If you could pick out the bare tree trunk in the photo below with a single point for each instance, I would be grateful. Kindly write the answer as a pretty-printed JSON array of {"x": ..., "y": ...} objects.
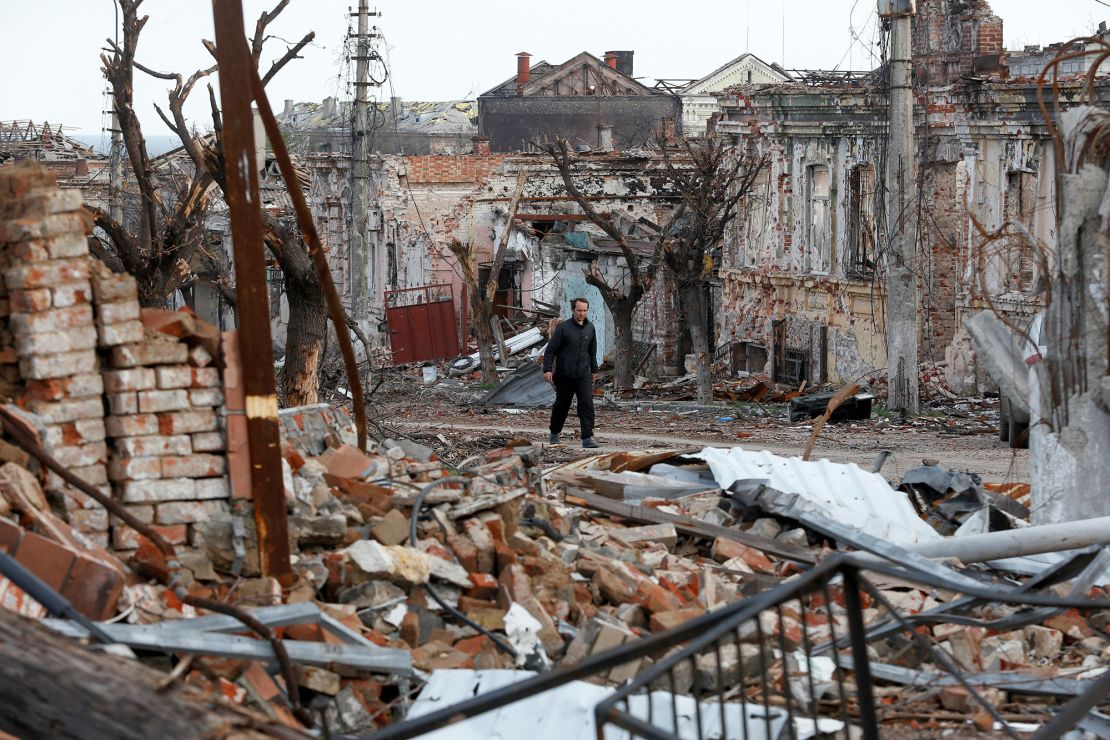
[
  {"x": 693, "y": 308},
  {"x": 623, "y": 347},
  {"x": 479, "y": 318},
  {"x": 308, "y": 320}
]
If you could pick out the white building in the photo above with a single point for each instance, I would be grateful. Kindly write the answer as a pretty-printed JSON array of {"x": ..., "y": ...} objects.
[{"x": 699, "y": 98}]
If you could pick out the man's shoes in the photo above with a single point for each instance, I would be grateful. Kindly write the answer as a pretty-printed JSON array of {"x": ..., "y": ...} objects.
[
  {"x": 553, "y": 439},
  {"x": 589, "y": 443}
]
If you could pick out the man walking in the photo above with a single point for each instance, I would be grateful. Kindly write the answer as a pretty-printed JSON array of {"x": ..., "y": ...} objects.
[{"x": 570, "y": 364}]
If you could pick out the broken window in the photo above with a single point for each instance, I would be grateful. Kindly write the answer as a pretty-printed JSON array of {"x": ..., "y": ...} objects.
[
  {"x": 817, "y": 222},
  {"x": 753, "y": 232},
  {"x": 391, "y": 264},
  {"x": 1020, "y": 255},
  {"x": 861, "y": 222}
]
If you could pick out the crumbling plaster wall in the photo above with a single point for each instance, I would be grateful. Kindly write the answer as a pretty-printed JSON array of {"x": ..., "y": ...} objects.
[
  {"x": 427, "y": 202},
  {"x": 982, "y": 158}
]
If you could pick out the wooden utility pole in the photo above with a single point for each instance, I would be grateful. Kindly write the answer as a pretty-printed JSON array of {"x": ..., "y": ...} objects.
[
  {"x": 901, "y": 311},
  {"x": 255, "y": 344}
]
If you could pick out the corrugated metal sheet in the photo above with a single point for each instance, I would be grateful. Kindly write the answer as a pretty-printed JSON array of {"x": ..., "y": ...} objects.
[
  {"x": 841, "y": 492},
  {"x": 524, "y": 388},
  {"x": 567, "y": 712}
]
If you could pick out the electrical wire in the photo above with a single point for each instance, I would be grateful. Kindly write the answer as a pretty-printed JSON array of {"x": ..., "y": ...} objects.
[{"x": 416, "y": 508}]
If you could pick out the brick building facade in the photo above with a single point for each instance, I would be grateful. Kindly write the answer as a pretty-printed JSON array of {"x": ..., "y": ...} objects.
[{"x": 801, "y": 273}]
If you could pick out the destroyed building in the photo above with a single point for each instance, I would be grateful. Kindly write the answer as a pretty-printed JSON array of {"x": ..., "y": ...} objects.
[
  {"x": 701, "y": 97},
  {"x": 584, "y": 100},
  {"x": 801, "y": 293},
  {"x": 425, "y": 200},
  {"x": 396, "y": 126}
]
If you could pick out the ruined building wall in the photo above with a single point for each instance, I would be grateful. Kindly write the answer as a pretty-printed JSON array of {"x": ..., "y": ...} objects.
[
  {"x": 983, "y": 160},
  {"x": 130, "y": 402}
]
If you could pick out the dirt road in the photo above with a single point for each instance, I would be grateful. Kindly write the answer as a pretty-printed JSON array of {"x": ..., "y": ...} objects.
[{"x": 860, "y": 442}]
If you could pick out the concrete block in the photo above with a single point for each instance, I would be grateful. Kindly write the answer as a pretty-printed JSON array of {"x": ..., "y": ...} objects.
[
  {"x": 125, "y": 538},
  {"x": 52, "y": 320},
  {"x": 117, "y": 313},
  {"x": 174, "y": 376},
  {"x": 212, "y": 397},
  {"x": 56, "y": 389},
  {"x": 135, "y": 468},
  {"x": 79, "y": 432},
  {"x": 30, "y": 301},
  {"x": 154, "y": 401},
  {"x": 194, "y": 466},
  {"x": 188, "y": 512},
  {"x": 154, "y": 445},
  {"x": 71, "y": 294},
  {"x": 60, "y": 412},
  {"x": 150, "y": 353},
  {"x": 153, "y": 491},
  {"x": 44, "y": 227},
  {"x": 200, "y": 357},
  {"x": 89, "y": 520},
  {"x": 209, "y": 488},
  {"x": 49, "y": 343},
  {"x": 126, "y": 332},
  {"x": 112, "y": 288},
  {"x": 123, "y": 403},
  {"x": 132, "y": 425},
  {"x": 208, "y": 442},
  {"x": 63, "y": 364},
  {"x": 136, "y": 379}
]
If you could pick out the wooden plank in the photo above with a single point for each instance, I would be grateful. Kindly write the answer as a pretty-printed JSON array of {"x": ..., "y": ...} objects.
[{"x": 688, "y": 525}]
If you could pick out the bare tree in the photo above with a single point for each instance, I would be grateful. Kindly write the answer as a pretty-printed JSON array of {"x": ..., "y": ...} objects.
[
  {"x": 481, "y": 301},
  {"x": 713, "y": 177},
  {"x": 642, "y": 272},
  {"x": 165, "y": 242}
]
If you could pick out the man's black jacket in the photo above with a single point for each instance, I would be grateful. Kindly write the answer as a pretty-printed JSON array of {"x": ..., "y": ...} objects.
[{"x": 572, "y": 350}]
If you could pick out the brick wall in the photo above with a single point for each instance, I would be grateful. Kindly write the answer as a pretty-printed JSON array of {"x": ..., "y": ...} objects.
[
  {"x": 447, "y": 168},
  {"x": 128, "y": 399}
]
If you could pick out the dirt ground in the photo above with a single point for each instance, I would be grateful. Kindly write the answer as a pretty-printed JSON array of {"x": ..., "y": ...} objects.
[{"x": 959, "y": 436}]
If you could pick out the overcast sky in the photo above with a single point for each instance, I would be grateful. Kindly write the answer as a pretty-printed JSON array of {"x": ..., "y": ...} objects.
[{"x": 444, "y": 49}]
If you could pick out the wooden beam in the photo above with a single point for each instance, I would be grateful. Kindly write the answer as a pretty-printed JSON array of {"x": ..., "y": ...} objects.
[{"x": 687, "y": 525}]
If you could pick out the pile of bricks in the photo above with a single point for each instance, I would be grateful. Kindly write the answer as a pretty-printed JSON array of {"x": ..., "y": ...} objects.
[{"x": 164, "y": 426}]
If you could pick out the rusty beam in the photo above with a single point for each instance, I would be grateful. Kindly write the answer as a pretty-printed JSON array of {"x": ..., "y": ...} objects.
[{"x": 255, "y": 346}]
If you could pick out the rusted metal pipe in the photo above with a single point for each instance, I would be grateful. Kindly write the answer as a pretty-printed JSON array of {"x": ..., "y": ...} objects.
[
  {"x": 255, "y": 346},
  {"x": 316, "y": 250}
]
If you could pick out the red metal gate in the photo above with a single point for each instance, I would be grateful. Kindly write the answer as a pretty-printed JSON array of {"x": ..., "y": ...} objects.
[{"x": 422, "y": 323}]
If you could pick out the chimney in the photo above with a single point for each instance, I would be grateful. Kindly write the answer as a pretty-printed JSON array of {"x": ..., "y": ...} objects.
[
  {"x": 329, "y": 107},
  {"x": 481, "y": 146},
  {"x": 624, "y": 61},
  {"x": 288, "y": 109},
  {"x": 522, "y": 68},
  {"x": 611, "y": 59},
  {"x": 667, "y": 126},
  {"x": 604, "y": 138}
]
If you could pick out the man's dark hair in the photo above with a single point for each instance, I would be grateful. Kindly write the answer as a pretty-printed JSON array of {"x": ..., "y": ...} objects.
[{"x": 578, "y": 300}]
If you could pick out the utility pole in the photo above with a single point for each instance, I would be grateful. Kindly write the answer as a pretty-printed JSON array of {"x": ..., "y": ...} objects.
[
  {"x": 363, "y": 258},
  {"x": 901, "y": 308},
  {"x": 115, "y": 171}
]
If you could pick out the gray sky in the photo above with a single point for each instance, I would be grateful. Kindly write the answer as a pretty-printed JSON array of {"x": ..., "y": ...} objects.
[{"x": 444, "y": 49}]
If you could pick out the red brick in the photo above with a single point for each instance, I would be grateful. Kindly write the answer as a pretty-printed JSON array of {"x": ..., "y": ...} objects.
[
  {"x": 48, "y": 560},
  {"x": 93, "y": 588}
]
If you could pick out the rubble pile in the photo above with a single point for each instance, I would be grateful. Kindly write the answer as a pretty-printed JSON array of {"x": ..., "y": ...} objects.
[{"x": 510, "y": 568}]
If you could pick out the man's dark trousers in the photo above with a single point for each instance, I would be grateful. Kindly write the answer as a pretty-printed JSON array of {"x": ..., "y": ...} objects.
[{"x": 565, "y": 390}]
